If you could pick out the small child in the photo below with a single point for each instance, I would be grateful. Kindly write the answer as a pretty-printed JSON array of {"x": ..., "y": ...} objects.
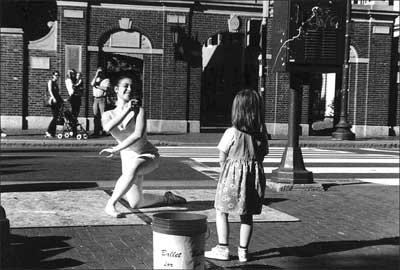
[{"x": 241, "y": 183}]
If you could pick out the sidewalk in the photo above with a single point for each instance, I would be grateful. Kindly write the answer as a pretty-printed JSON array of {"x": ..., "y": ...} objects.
[
  {"x": 346, "y": 227},
  {"x": 35, "y": 138},
  {"x": 349, "y": 226}
]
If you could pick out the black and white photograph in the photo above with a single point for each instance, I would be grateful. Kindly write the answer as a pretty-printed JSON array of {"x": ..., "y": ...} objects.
[{"x": 200, "y": 134}]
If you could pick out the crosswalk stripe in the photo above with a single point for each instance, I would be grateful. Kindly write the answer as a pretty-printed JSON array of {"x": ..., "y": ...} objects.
[
  {"x": 382, "y": 181},
  {"x": 341, "y": 170},
  {"x": 375, "y": 167},
  {"x": 381, "y": 150},
  {"x": 313, "y": 160}
]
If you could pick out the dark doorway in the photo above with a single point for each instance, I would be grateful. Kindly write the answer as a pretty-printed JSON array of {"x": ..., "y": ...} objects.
[
  {"x": 222, "y": 78},
  {"x": 117, "y": 64},
  {"x": 123, "y": 64},
  {"x": 322, "y": 101}
]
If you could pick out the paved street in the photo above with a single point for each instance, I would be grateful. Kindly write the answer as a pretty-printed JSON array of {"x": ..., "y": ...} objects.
[
  {"x": 354, "y": 224},
  {"x": 198, "y": 165}
]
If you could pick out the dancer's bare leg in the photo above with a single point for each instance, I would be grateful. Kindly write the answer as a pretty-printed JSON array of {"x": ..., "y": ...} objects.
[
  {"x": 130, "y": 184},
  {"x": 137, "y": 199},
  {"x": 127, "y": 179}
]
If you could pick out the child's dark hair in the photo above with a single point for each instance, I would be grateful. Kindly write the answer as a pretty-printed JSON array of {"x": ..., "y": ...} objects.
[{"x": 248, "y": 113}]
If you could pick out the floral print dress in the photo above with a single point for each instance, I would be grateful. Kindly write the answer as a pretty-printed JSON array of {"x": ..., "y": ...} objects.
[{"x": 241, "y": 184}]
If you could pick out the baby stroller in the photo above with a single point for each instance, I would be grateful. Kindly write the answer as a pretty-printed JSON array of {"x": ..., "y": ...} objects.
[{"x": 67, "y": 125}]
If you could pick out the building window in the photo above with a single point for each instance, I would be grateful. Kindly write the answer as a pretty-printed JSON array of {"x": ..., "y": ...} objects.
[
  {"x": 125, "y": 39},
  {"x": 73, "y": 57},
  {"x": 253, "y": 34}
]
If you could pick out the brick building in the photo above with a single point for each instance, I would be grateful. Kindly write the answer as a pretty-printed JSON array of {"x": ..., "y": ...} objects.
[{"x": 192, "y": 57}]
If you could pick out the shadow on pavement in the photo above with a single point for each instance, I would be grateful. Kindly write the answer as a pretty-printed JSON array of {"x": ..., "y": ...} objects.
[
  {"x": 34, "y": 252},
  {"x": 47, "y": 186},
  {"x": 5, "y": 172},
  {"x": 254, "y": 266},
  {"x": 320, "y": 248},
  {"x": 47, "y": 149},
  {"x": 211, "y": 266},
  {"x": 326, "y": 186},
  {"x": 269, "y": 201},
  {"x": 10, "y": 158}
]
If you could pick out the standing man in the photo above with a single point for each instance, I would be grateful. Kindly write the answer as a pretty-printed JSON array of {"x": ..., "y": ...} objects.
[{"x": 101, "y": 86}]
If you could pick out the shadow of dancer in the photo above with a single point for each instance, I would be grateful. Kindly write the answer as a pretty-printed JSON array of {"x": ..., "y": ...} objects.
[
  {"x": 34, "y": 252},
  {"x": 320, "y": 248}
]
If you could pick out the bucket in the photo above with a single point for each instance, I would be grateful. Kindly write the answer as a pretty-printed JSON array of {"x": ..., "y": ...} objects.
[{"x": 179, "y": 240}]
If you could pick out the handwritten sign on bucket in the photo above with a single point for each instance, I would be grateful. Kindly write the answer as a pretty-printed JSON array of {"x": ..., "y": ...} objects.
[{"x": 179, "y": 240}]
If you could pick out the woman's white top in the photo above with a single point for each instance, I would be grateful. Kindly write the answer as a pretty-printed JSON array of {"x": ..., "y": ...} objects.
[
  {"x": 125, "y": 129},
  {"x": 70, "y": 87}
]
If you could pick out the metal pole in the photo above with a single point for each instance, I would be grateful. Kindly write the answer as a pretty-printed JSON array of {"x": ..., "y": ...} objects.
[
  {"x": 263, "y": 37},
  {"x": 87, "y": 70},
  {"x": 291, "y": 169},
  {"x": 263, "y": 57},
  {"x": 343, "y": 131}
]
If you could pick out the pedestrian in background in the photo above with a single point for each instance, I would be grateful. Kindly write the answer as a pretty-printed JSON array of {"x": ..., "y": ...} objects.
[
  {"x": 76, "y": 98},
  {"x": 70, "y": 79},
  {"x": 70, "y": 85},
  {"x": 55, "y": 101},
  {"x": 127, "y": 124},
  {"x": 100, "y": 85},
  {"x": 241, "y": 183}
]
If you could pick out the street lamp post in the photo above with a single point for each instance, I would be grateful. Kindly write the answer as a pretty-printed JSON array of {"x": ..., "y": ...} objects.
[
  {"x": 291, "y": 169},
  {"x": 343, "y": 131}
]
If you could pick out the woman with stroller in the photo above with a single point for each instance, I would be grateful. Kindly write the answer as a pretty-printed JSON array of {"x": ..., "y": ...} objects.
[
  {"x": 74, "y": 83},
  {"x": 55, "y": 102}
]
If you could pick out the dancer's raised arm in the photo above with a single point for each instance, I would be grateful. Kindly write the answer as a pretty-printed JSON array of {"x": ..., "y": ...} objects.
[{"x": 111, "y": 119}]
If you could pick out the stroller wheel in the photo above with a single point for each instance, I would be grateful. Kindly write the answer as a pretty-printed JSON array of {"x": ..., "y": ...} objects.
[
  {"x": 85, "y": 136},
  {"x": 66, "y": 135},
  {"x": 59, "y": 136},
  {"x": 79, "y": 137}
]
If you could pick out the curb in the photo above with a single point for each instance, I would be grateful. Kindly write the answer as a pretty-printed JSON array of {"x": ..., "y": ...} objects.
[{"x": 12, "y": 143}]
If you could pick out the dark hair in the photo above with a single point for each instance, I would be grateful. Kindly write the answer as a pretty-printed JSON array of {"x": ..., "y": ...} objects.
[
  {"x": 71, "y": 73},
  {"x": 248, "y": 113},
  {"x": 137, "y": 90},
  {"x": 55, "y": 72}
]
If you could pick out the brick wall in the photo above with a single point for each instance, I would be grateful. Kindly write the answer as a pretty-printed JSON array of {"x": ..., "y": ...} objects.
[
  {"x": 11, "y": 71},
  {"x": 276, "y": 98},
  {"x": 172, "y": 88},
  {"x": 398, "y": 84},
  {"x": 371, "y": 87},
  {"x": 357, "y": 93},
  {"x": 37, "y": 83}
]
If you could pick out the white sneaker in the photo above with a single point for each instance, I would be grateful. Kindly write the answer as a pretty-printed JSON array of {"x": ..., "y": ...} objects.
[
  {"x": 218, "y": 252},
  {"x": 48, "y": 135},
  {"x": 243, "y": 254}
]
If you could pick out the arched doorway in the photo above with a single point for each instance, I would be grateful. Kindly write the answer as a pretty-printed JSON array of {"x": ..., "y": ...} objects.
[
  {"x": 122, "y": 54},
  {"x": 226, "y": 68}
]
